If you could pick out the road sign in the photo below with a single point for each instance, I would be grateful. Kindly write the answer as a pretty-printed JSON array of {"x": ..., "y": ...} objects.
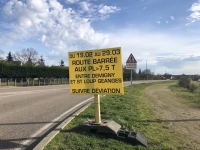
[
  {"x": 131, "y": 62},
  {"x": 131, "y": 59},
  {"x": 96, "y": 71}
]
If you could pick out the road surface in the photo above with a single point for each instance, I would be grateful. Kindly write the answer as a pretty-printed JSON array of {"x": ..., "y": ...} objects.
[{"x": 28, "y": 114}]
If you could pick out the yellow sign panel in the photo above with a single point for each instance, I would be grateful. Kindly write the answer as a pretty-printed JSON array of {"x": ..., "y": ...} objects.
[{"x": 96, "y": 71}]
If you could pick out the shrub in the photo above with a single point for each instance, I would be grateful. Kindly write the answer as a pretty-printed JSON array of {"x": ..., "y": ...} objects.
[
  {"x": 184, "y": 81},
  {"x": 192, "y": 87}
]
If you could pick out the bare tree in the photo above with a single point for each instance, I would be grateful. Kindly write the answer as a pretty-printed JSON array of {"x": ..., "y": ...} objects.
[
  {"x": 41, "y": 61},
  {"x": 28, "y": 55},
  {"x": 1, "y": 53}
]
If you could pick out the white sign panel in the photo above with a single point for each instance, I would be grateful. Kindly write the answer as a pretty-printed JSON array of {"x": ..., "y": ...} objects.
[{"x": 131, "y": 66}]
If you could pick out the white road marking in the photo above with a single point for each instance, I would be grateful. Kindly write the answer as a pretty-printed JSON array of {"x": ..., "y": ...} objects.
[
  {"x": 25, "y": 142},
  {"x": 7, "y": 94}
]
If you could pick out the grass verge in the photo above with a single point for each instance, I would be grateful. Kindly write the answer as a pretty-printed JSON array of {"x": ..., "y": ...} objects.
[
  {"x": 192, "y": 98},
  {"x": 132, "y": 111}
]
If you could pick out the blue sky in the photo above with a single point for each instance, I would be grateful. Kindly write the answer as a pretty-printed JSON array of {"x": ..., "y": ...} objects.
[{"x": 162, "y": 33}]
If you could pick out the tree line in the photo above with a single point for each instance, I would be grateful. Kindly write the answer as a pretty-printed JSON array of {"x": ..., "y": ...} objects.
[
  {"x": 28, "y": 56},
  {"x": 34, "y": 66},
  {"x": 141, "y": 75},
  {"x": 26, "y": 71},
  {"x": 31, "y": 66}
]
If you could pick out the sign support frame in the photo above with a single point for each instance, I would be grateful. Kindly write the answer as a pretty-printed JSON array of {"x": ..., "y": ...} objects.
[
  {"x": 97, "y": 108},
  {"x": 131, "y": 76}
]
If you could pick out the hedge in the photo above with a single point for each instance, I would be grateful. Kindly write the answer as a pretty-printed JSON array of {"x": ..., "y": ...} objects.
[{"x": 16, "y": 71}]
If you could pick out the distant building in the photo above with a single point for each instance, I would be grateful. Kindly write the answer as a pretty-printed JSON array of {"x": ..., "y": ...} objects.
[
  {"x": 173, "y": 78},
  {"x": 12, "y": 62}
]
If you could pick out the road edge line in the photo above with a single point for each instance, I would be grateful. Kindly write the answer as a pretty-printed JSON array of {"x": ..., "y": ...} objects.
[{"x": 52, "y": 134}]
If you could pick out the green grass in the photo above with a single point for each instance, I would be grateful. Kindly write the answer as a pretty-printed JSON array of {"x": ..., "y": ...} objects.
[
  {"x": 191, "y": 97},
  {"x": 132, "y": 111}
]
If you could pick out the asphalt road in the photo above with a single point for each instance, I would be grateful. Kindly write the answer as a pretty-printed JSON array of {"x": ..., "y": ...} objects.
[{"x": 28, "y": 114}]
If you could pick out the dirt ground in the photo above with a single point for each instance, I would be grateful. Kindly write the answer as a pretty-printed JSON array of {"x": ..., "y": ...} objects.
[{"x": 178, "y": 113}]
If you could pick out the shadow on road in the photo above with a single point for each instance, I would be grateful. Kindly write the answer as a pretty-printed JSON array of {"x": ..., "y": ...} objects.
[
  {"x": 10, "y": 144},
  {"x": 15, "y": 143}
]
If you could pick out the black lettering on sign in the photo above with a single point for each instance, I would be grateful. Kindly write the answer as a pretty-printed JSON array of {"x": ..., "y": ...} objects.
[
  {"x": 72, "y": 81},
  {"x": 111, "y": 52},
  {"x": 80, "y": 69},
  {"x": 71, "y": 55},
  {"x": 79, "y": 81},
  {"x": 105, "y": 60},
  {"x": 103, "y": 75},
  {"x": 89, "y": 80},
  {"x": 115, "y": 51},
  {"x": 113, "y": 80},
  {"x": 88, "y": 54},
  {"x": 82, "y": 75},
  {"x": 85, "y": 54},
  {"x": 106, "y": 52},
  {"x": 80, "y": 90},
  {"x": 106, "y": 90},
  {"x": 106, "y": 67},
  {"x": 80, "y": 54},
  {"x": 97, "y": 53},
  {"x": 113, "y": 67},
  {"x": 91, "y": 68},
  {"x": 81, "y": 62}
]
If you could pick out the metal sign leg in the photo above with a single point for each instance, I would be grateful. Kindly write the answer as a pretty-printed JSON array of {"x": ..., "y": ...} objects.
[{"x": 97, "y": 108}]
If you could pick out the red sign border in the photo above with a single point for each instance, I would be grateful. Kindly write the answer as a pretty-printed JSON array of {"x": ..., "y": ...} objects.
[{"x": 131, "y": 55}]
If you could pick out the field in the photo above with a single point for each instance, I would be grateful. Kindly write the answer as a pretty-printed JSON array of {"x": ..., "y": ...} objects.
[{"x": 166, "y": 114}]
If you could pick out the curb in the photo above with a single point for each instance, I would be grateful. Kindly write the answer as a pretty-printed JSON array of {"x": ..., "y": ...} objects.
[{"x": 52, "y": 134}]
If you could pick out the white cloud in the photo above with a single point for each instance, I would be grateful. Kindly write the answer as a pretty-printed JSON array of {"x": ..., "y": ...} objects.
[
  {"x": 49, "y": 22},
  {"x": 26, "y": 14},
  {"x": 195, "y": 7},
  {"x": 86, "y": 6},
  {"x": 43, "y": 38},
  {"x": 150, "y": 45},
  {"x": 95, "y": 12},
  {"x": 195, "y": 15},
  {"x": 172, "y": 17},
  {"x": 180, "y": 61},
  {"x": 190, "y": 22},
  {"x": 108, "y": 9},
  {"x": 178, "y": 64},
  {"x": 64, "y": 29},
  {"x": 71, "y": 1},
  {"x": 37, "y": 5},
  {"x": 167, "y": 22}
]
